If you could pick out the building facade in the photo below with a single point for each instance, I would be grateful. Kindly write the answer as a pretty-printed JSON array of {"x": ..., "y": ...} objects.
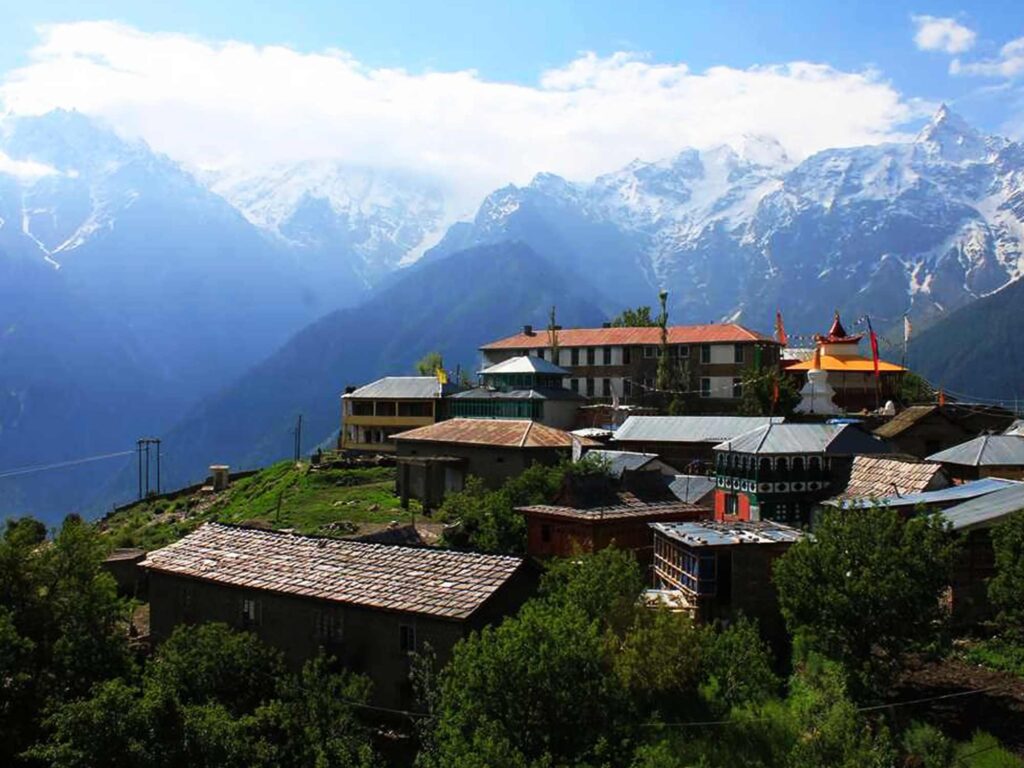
[
  {"x": 782, "y": 472},
  {"x": 368, "y": 605},
  {"x": 372, "y": 414},
  {"x": 722, "y": 570},
  {"x": 621, "y": 363}
]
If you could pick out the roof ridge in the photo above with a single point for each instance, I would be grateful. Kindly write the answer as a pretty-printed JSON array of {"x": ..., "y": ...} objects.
[{"x": 526, "y": 434}]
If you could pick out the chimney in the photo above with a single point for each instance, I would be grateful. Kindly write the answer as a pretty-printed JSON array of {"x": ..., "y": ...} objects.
[
  {"x": 350, "y": 389},
  {"x": 221, "y": 476},
  {"x": 528, "y": 330}
]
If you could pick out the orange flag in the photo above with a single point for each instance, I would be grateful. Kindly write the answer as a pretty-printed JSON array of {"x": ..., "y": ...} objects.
[{"x": 780, "y": 330}]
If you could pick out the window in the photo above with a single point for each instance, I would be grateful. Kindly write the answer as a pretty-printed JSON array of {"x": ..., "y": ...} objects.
[
  {"x": 362, "y": 408},
  {"x": 591, "y": 354},
  {"x": 607, "y": 353},
  {"x": 574, "y": 356},
  {"x": 705, "y": 387},
  {"x": 627, "y": 387},
  {"x": 250, "y": 612},
  {"x": 540, "y": 353},
  {"x": 650, "y": 351},
  {"x": 574, "y": 385},
  {"x": 407, "y": 638},
  {"x": 606, "y": 387},
  {"x": 590, "y": 387},
  {"x": 415, "y": 409},
  {"x": 682, "y": 350},
  {"x": 626, "y": 355},
  {"x": 738, "y": 353},
  {"x": 737, "y": 388},
  {"x": 386, "y": 408},
  {"x": 705, "y": 353},
  {"x": 328, "y": 626},
  {"x": 731, "y": 504},
  {"x": 545, "y": 533}
]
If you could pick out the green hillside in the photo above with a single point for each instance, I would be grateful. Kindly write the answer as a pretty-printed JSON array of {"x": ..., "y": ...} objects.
[
  {"x": 977, "y": 351},
  {"x": 282, "y": 496}
]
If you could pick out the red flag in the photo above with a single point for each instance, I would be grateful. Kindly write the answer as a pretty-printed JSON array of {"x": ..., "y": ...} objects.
[
  {"x": 780, "y": 330},
  {"x": 874, "y": 347},
  {"x": 775, "y": 392},
  {"x": 942, "y": 398}
]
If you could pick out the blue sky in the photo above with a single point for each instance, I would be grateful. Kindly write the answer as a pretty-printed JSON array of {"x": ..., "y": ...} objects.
[{"x": 868, "y": 48}]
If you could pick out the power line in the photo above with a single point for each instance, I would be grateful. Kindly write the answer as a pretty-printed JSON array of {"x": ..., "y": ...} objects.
[{"x": 61, "y": 464}]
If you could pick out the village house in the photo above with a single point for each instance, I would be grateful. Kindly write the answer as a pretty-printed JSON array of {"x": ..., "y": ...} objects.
[
  {"x": 525, "y": 387},
  {"x": 849, "y": 373},
  {"x": 371, "y": 415},
  {"x": 436, "y": 459},
  {"x": 368, "y": 605},
  {"x": 685, "y": 442},
  {"x": 876, "y": 477},
  {"x": 781, "y": 472},
  {"x": 984, "y": 456},
  {"x": 973, "y": 521},
  {"x": 721, "y": 570},
  {"x": 921, "y": 430},
  {"x": 909, "y": 504},
  {"x": 621, "y": 363}
]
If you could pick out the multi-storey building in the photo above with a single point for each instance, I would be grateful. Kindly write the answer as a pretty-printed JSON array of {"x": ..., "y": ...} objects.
[
  {"x": 370, "y": 415},
  {"x": 607, "y": 363}
]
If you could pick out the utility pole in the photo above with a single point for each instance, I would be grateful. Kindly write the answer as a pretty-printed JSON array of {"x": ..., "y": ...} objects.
[
  {"x": 157, "y": 441},
  {"x": 142, "y": 448},
  {"x": 138, "y": 456},
  {"x": 298, "y": 438}
]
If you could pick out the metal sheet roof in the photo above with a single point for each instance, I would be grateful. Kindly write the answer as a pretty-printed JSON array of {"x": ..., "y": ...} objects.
[
  {"x": 596, "y": 337},
  {"x": 692, "y": 488},
  {"x": 689, "y": 429},
  {"x": 1017, "y": 428},
  {"x": 986, "y": 510},
  {"x": 540, "y": 393},
  {"x": 831, "y": 439},
  {"x": 401, "y": 387},
  {"x": 620, "y": 461},
  {"x": 526, "y": 364},
  {"x": 420, "y": 580},
  {"x": 964, "y": 491},
  {"x": 985, "y": 451},
  {"x": 708, "y": 533}
]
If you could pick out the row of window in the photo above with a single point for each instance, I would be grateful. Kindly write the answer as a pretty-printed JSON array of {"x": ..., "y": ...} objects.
[
  {"x": 603, "y": 355},
  {"x": 744, "y": 465},
  {"x": 390, "y": 408},
  {"x": 589, "y": 387}
]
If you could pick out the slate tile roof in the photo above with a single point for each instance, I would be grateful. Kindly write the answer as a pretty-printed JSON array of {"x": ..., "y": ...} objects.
[
  {"x": 873, "y": 477},
  {"x": 677, "y": 510},
  {"x": 506, "y": 433},
  {"x": 905, "y": 419},
  {"x": 420, "y": 580},
  {"x": 598, "y": 337}
]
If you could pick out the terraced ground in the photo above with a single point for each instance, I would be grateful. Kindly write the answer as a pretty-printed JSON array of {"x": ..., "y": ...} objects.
[{"x": 285, "y": 495}]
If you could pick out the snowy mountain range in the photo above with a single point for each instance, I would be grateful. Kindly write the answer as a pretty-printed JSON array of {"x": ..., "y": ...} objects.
[{"x": 920, "y": 227}]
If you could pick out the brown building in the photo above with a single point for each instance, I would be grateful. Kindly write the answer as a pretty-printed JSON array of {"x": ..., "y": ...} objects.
[
  {"x": 921, "y": 430},
  {"x": 721, "y": 570},
  {"x": 686, "y": 442},
  {"x": 985, "y": 456},
  {"x": 875, "y": 477},
  {"x": 607, "y": 363},
  {"x": 369, "y": 605},
  {"x": 372, "y": 414},
  {"x": 437, "y": 459},
  {"x": 563, "y": 531}
]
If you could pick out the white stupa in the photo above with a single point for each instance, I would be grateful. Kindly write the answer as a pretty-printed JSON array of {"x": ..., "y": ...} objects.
[{"x": 816, "y": 395}]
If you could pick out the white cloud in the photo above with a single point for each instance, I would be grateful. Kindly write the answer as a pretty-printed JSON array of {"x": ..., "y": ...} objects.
[
  {"x": 24, "y": 169},
  {"x": 1009, "y": 63},
  {"x": 223, "y": 104},
  {"x": 942, "y": 34}
]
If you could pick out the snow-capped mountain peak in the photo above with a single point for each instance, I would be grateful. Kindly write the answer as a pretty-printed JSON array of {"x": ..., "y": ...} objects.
[{"x": 950, "y": 138}]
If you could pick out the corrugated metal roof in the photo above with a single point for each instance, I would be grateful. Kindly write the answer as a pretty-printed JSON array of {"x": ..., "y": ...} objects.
[
  {"x": 597, "y": 337},
  {"x": 831, "y": 439},
  {"x": 1017, "y": 428},
  {"x": 692, "y": 488},
  {"x": 620, "y": 461},
  {"x": 420, "y": 580},
  {"x": 401, "y": 387},
  {"x": 689, "y": 429},
  {"x": 971, "y": 490},
  {"x": 526, "y": 364},
  {"x": 540, "y": 393},
  {"x": 985, "y": 451},
  {"x": 507, "y": 433},
  {"x": 708, "y": 533},
  {"x": 986, "y": 510}
]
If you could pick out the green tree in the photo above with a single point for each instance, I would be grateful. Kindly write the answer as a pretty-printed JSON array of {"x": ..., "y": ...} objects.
[
  {"x": 429, "y": 364},
  {"x": 1006, "y": 589},
  {"x": 603, "y": 585},
  {"x": 759, "y": 387},
  {"x": 864, "y": 591},
  {"x": 737, "y": 668},
  {"x": 634, "y": 318},
  {"x": 914, "y": 389}
]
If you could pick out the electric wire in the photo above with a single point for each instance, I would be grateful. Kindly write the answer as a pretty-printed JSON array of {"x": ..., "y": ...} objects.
[{"x": 61, "y": 464}]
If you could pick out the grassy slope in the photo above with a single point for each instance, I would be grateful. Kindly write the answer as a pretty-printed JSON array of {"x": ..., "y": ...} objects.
[{"x": 308, "y": 502}]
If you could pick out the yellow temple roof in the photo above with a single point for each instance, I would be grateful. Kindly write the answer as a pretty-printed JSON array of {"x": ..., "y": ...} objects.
[{"x": 846, "y": 363}]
